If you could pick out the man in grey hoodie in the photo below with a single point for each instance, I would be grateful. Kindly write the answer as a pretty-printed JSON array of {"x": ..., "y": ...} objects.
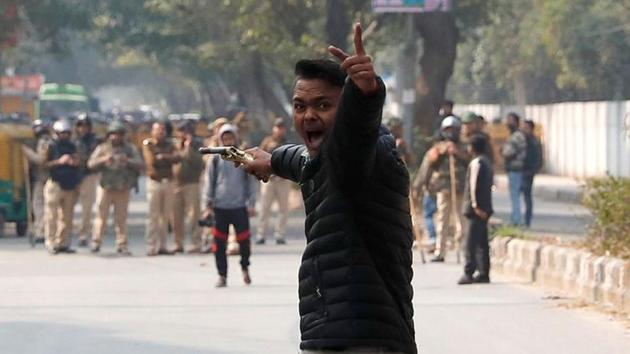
[{"x": 231, "y": 198}]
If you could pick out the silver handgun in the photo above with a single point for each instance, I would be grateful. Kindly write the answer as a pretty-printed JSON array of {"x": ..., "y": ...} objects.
[{"x": 228, "y": 153}]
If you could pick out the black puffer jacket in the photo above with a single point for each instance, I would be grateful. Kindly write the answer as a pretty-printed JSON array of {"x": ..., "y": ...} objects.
[{"x": 355, "y": 278}]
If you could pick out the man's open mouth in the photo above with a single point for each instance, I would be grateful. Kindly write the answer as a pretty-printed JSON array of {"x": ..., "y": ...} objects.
[{"x": 314, "y": 136}]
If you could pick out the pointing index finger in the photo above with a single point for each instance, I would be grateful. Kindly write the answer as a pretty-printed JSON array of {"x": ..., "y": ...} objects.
[{"x": 358, "y": 40}]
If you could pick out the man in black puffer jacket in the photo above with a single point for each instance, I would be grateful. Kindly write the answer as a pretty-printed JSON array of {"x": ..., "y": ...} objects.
[{"x": 355, "y": 278}]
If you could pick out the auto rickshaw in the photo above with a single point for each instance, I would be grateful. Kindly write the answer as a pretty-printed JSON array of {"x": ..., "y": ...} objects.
[{"x": 14, "y": 180}]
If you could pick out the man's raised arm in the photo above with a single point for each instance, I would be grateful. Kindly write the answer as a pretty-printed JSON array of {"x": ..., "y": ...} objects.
[{"x": 352, "y": 145}]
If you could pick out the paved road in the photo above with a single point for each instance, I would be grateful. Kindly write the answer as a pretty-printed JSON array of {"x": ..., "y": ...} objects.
[{"x": 108, "y": 304}]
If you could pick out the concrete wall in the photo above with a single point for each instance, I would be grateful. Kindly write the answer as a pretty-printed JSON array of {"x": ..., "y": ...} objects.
[{"x": 581, "y": 139}]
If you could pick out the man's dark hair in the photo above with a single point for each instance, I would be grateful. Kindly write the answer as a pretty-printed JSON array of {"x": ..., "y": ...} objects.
[
  {"x": 530, "y": 123},
  {"x": 448, "y": 103},
  {"x": 514, "y": 115},
  {"x": 324, "y": 69},
  {"x": 478, "y": 143}
]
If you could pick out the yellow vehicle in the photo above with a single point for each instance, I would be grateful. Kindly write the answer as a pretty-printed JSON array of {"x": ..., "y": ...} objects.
[{"x": 14, "y": 180}]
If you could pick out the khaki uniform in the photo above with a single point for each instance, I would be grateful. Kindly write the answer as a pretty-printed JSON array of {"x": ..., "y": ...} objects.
[
  {"x": 440, "y": 183},
  {"x": 276, "y": 190},
  {"x": 41, "y": 175},
  {"x": 59, "y": 204},
  {"x": 116, "y": 180},
  {"x": 87, "y": 189},
  {"x": 159, "y": 191},
  {"x": 187, "y": 193}
]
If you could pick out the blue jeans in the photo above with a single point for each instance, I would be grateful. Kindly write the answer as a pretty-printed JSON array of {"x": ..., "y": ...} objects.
[
  {"x": 515, "y": 179},
  {"x": 528, "y": 182},
  {"x": 429, "y": 207}
]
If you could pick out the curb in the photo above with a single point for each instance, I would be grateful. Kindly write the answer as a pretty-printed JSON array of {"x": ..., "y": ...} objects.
[{"x": 604, "y": 281}]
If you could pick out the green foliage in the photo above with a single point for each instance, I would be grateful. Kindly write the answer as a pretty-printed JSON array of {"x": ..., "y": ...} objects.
[
  {"x": 538, "y": 51},
  {"x": 608, "y": 199},
  {"x": 508, "y": 231}
]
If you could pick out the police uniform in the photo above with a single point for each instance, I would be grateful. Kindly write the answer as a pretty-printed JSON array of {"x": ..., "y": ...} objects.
[
  {"x": 38, "y": 189},
  {"x": 87, "y": 190},
  {"x": 187, "y": 194},
  {"x": 117, "y": 177},
  {"x": 60, "y": 194},
  {"x": 277, "y": 189},
  {"x": 159, "y": 191},
  {"x": 440, "y": 183}
]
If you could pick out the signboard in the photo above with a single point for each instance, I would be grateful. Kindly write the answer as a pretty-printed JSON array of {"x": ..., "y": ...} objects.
[
  {"x": 19, "y": 85},
  {"x": 412, "y": 5}
]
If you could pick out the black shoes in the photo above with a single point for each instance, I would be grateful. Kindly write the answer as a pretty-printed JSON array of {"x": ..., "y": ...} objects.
[
  {"x": 95, "y": 248},
  {"x": 165, "y": 252},
  {"x": 123, "y": 251},
  {"x": 478, "y": 279},
  {"x": 83, "y": 242},
  {"x": 482, "y": 279},
  {"x": 246, "y": 278},
  {"x": 437, "y": 259},
  {"x": 221, "y": 283},
  {"x": 260, "y": 241},
  {"x": 281, "y": 241},
  {"x": 57, "y": 250},
  {"x": 465, "y": 280}
]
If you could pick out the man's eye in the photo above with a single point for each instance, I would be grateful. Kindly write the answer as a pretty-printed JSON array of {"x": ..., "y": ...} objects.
[
  {"x": 298, "y": 106},
  {"x": 323, "y": 106}
]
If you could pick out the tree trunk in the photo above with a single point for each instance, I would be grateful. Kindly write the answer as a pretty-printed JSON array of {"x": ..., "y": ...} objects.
[
  {"x": 440, "y": 35},
  {"x": 337, "y": 23}
]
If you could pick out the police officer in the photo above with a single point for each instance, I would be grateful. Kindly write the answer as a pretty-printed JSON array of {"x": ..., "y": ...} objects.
[
  {"x": 62, "y": 187},
  {"x": 472, "y": 125},
  {"x": 160, "y": 156},
  {"x": 187, "y": 192},
  {"x": 276, "y": 190},
  {"x": 119, "y": 164},
  {"x": 86, "y": 142},
  {"x": 41, "y": 132},
  {"x": 438, "y": 158}
]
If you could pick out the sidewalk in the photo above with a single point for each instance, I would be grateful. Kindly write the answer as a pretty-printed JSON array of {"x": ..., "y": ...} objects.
[{"x": 549, "y": 187}]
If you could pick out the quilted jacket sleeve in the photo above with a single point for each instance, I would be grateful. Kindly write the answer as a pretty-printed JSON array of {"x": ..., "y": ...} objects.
[
  {"x": 351, "y": 148},
  {"x": 287, "y": 161}
]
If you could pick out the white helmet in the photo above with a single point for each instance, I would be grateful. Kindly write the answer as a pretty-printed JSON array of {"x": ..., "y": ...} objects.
[
  {"x": 62, "y": 126},
  {"x": 450, "y": 122}
]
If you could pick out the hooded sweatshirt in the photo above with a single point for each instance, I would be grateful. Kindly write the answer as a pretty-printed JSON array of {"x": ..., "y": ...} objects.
[{"x": 228, "y": 187}]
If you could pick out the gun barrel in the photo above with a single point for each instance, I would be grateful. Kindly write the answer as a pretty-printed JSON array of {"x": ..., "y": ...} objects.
[{"x": 213, "y": 150}]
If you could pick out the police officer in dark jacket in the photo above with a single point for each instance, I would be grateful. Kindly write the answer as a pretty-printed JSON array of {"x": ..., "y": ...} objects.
[{"x": 355, "y": 279}]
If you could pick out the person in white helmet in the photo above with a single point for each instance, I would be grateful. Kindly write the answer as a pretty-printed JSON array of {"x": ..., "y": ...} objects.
[
  {"x": 439, "y": 181},
  {"x": 61, "y": 189}
]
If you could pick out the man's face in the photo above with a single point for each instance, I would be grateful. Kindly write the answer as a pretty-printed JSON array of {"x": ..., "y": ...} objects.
[
  {"x": 82, "y": 129},
  {"x": 64, "y": 136},
  {"x": 468, "y": 129},
  {"x": 446, "y": 110},
  {"x": 158, "y": 131},
  {"x": 228, "y": 139},
  {"x": 527, "y": 129},
  {"x": 181, "y": 134},
  {"x": 116, "y": 138},
  {"x": 279, "y": 132},
  {"x": 511, "y": 122},
  {"x": 315, "y": 104}
]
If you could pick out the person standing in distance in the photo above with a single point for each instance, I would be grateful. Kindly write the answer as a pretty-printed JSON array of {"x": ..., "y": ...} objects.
[
  {"x": 159, "y": 157},
  {"x": 119, "y": 164},
  {"x": 276, "y": 190},
  {"x": 61, "y": 189}
]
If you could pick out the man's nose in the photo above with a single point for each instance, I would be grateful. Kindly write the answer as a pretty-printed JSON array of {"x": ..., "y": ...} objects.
[{"x": 310, "y": 113}]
